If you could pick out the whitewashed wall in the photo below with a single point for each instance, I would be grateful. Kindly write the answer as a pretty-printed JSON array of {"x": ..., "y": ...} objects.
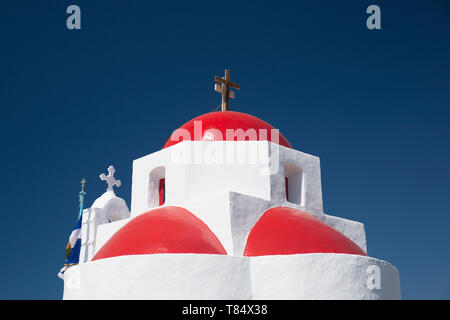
[{"x": 202, "y": 276}]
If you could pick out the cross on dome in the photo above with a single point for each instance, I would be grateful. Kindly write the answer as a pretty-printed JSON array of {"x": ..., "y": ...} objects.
[
  {"x": 110, "y": 180},
  {"x": 223, "y": 86}
]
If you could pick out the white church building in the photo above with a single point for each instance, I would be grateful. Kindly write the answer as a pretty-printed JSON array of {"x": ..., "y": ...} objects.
[{"x": 227, "y": 209}]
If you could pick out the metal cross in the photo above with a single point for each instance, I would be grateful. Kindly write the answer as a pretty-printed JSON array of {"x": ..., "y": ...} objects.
[
  {"x": 81, "y": 195},
  {"x": 110, "y": 180},
  {"x": 83, "y": 182},
  {"x": 223, "y": 86}
]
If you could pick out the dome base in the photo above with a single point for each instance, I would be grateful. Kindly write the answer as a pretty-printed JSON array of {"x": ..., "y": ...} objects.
[{"x": 204, "y": 276}]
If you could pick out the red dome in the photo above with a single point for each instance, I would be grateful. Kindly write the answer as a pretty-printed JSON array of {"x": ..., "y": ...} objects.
[
  {"x": 217, "y": 122},
  {"x": 285, "y": 230},
  {"x": 163, "y": 230}
]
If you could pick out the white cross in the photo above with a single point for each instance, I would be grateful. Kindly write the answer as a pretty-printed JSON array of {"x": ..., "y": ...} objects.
[{"x": 110, "y": 180}]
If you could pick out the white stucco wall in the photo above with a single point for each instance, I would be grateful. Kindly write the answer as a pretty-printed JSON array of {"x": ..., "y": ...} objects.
[
  {"x": 106, "y": 209},
  {"x": 321, "y": 276},
  {"x": 202, "y": 276}
]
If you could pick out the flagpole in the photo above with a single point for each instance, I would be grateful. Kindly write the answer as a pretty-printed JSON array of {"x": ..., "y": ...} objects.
[{"x": 81, "y": 197}]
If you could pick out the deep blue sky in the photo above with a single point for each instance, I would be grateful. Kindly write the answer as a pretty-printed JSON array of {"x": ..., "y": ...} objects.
[{"x": 373, "y": 105}]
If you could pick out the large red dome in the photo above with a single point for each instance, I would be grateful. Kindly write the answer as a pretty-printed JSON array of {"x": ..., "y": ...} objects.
[
  {"x": 285, "y": 230},
  {"x": 215, "y": 125},
  {"x": 163, "y": 230}
]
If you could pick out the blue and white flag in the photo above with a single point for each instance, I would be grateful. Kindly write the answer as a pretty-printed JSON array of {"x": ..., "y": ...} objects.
[{"x": 72, "y": 249}]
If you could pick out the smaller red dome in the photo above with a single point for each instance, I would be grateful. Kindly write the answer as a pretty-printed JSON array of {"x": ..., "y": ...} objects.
[
  {"x": 216, "y": 124},
  {"x": 285, "y": 230},
  {"x": 163, "y": 230}
]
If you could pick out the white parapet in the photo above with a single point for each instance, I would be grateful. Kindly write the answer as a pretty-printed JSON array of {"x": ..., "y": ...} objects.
[{"x": 203, "y": 276}]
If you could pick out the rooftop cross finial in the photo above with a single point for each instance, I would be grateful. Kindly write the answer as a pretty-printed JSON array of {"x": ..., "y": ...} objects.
[
  {"x": 81, "y": 196},
  {"x": 223, "y": 86},
  {"x": 110, "y": 180},
  {"x": 83, "y": 183}
]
